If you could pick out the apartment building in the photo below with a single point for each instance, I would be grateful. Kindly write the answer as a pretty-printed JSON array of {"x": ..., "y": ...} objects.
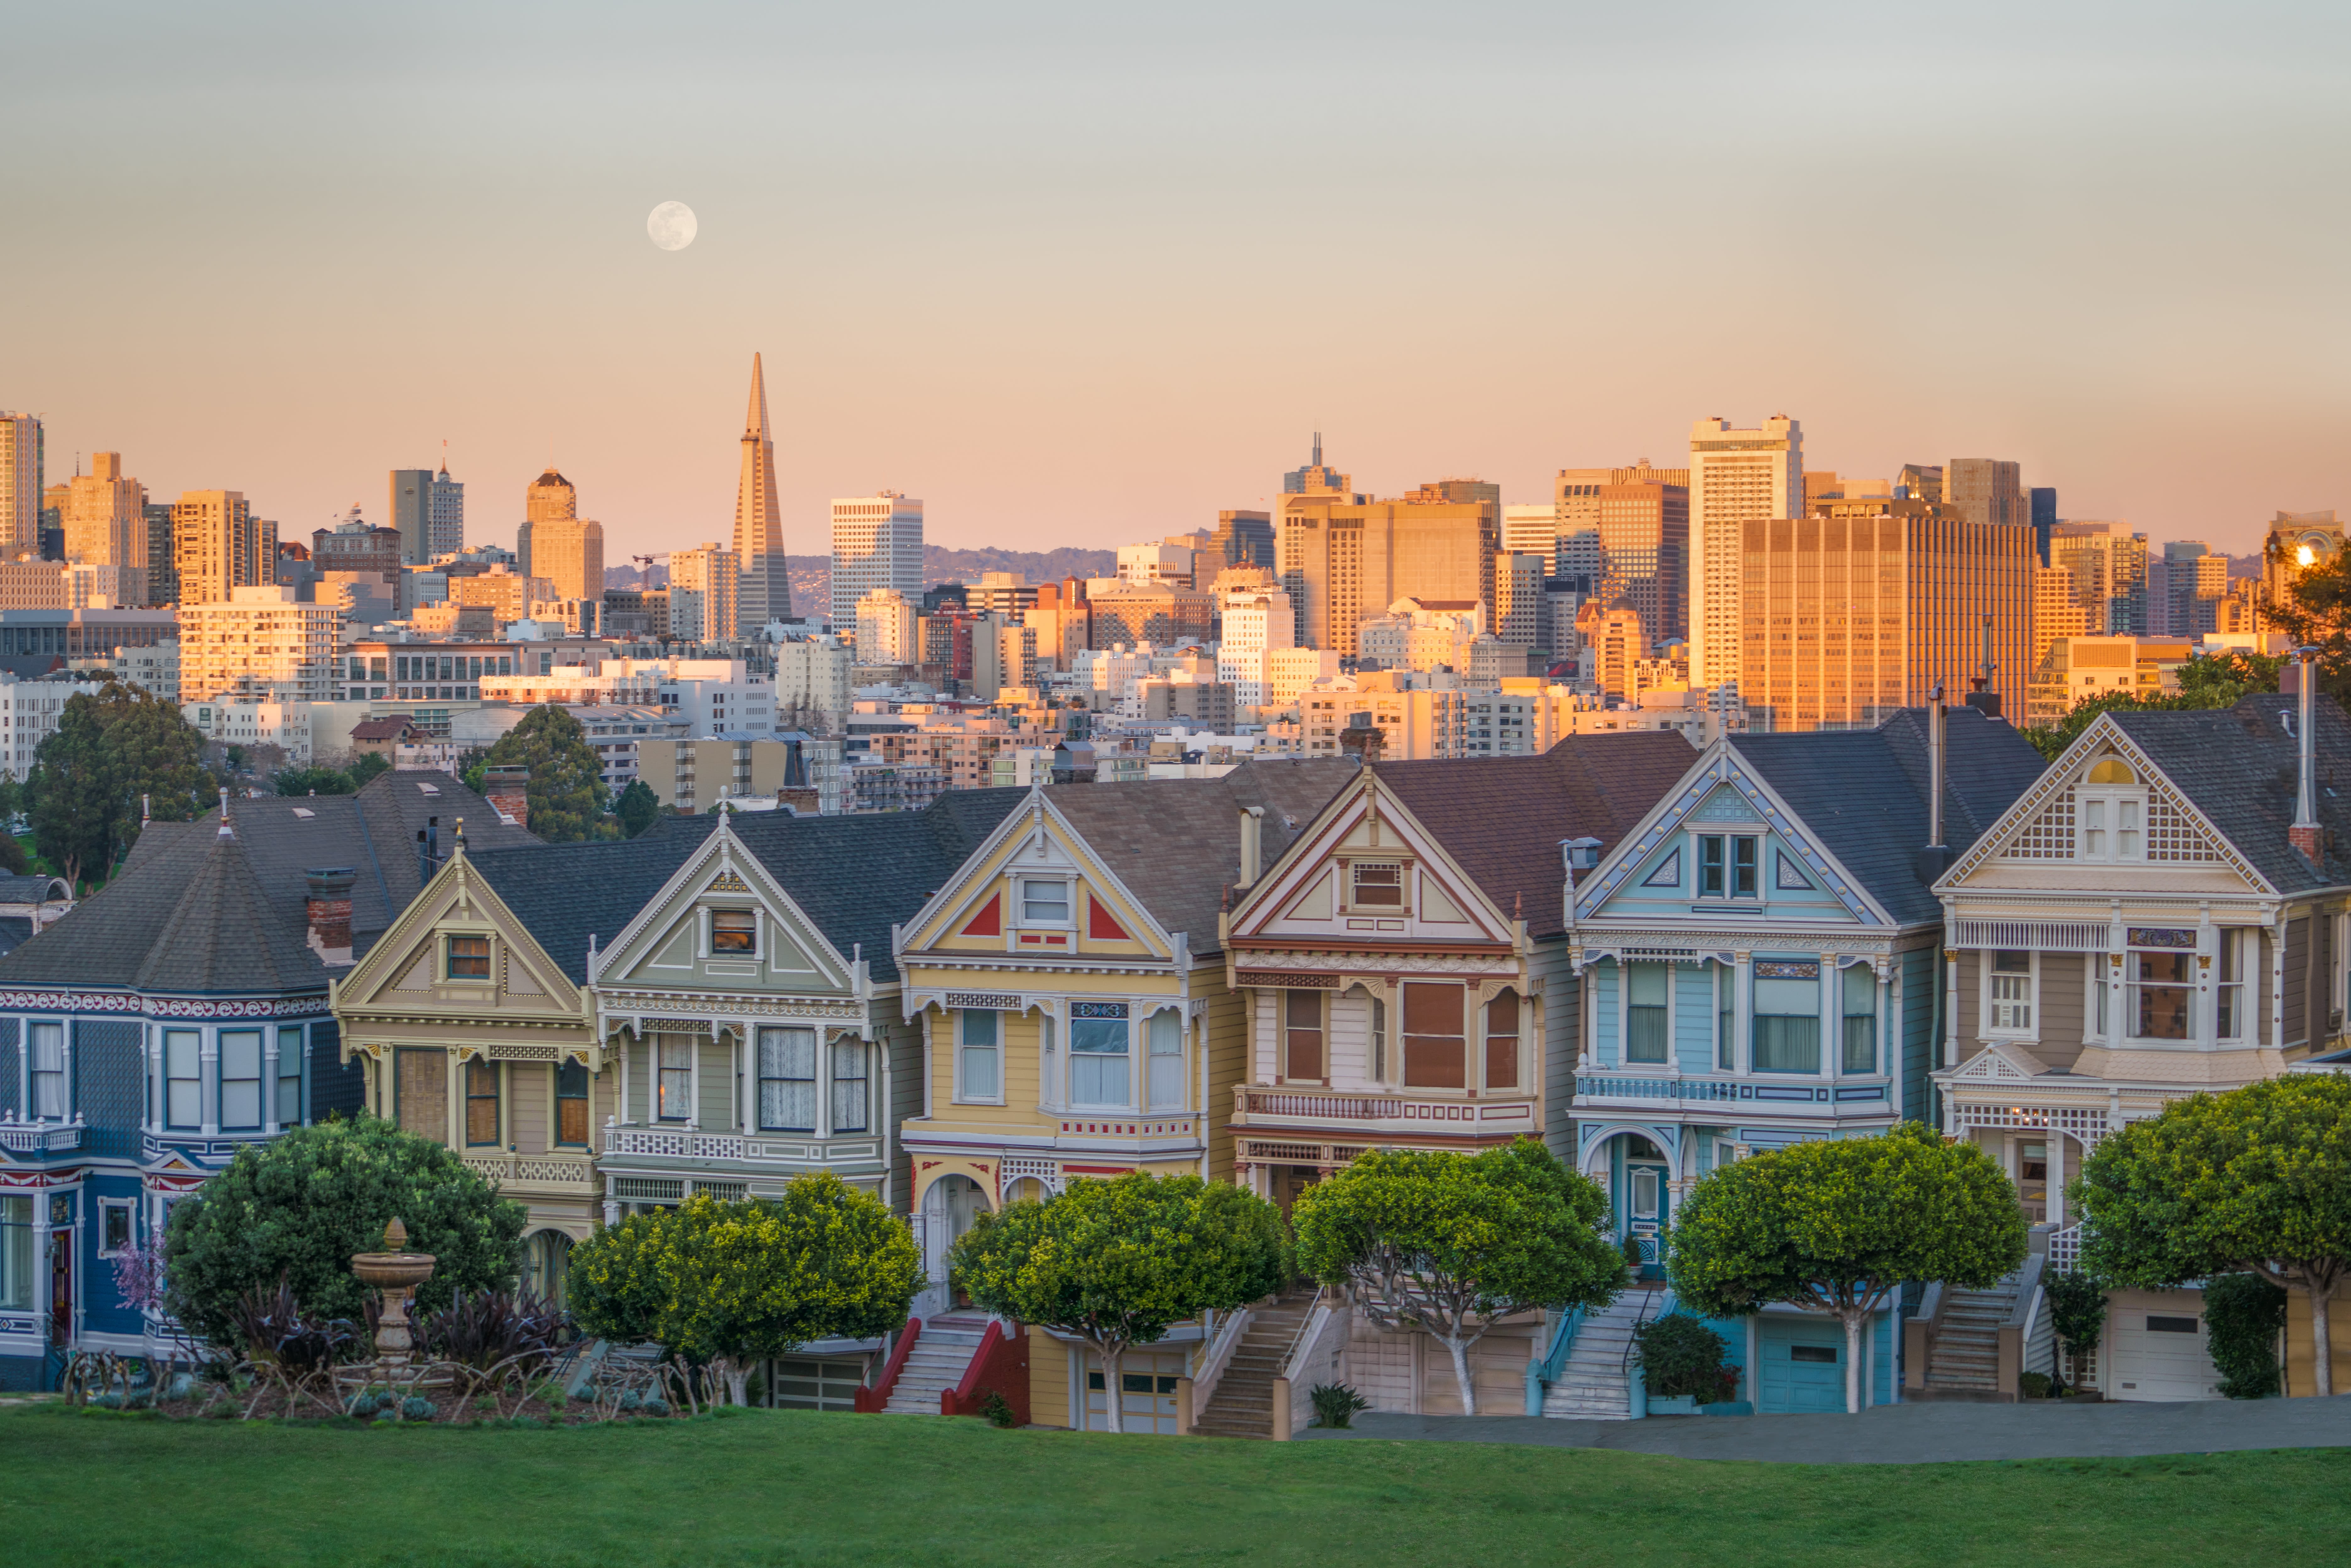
[
  {"x": 703, "y": 588},
  {"x": 1256, "y": 623},
  {"x": 29, "y": 711},
  {"x": 1736, "y": 476},
  {"x": 219, "y": 545},
  {"x": 106, "y": 526},
  {"x": 257, "y": 642},
  {"x": 1341, "y": 556},
  {"x": 259, "y": 722}
]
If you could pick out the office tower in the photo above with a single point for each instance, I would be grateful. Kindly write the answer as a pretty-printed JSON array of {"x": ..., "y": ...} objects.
[
  {"x": 1920, "y": 482},
  {"x": 218, "y": 546},
  {"x": 1736, "y": 476},
  {"x": 21, "y": 481},
  {"x": 1256, "y": 626},
  {"x": 1314, "y": 479},
  {"x": 877, "y": 543},
  {"x": 1343, "y": 557},
  {"x": 444, "y": 530},
  {"x": 1847, "y": 616},
  {"x": 1645, "y": 537},
  {"x": 1518, "y": 599},
  {"x": 2185, "y": 585},
  {"x": 162, "y": 553},
  {"x": 2042, "y": 501},
  {"x": 550, "y": 498},
  {"x": 570, "y": 553},
  {"x": 705, "y": 585},
  {"x": 2296, "y": 541},
  {"x": 886, "y": 632},
  {"x": 1985, "y": 490},
  {"x": 2108, "y": 565},
  {"x": 767, "y": 589},
  {"x": 1242, "y": 538},
  {"x": 1530, "y": 530},
  {"x": 106, "y": 523},
  {"x": 1462, "y": 490},
  {"x": 411, "y": 514},
  {"x": 1169, "y": 561},
  {"x": 1618, "y": 642},
  {"x": 2055, "y": 615}
]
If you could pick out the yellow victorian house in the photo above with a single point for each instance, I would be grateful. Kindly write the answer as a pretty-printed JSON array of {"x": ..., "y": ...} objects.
[{"x": 1076, "y": 1021}]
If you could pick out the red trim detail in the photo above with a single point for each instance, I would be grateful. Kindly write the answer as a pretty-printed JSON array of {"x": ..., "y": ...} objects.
[
  {"x": 988, "y": 921},
  {"x": 1000, "y": 1365},
  {"x": 867, "y": 1401},
  {"x": 1101, "y": 923}
]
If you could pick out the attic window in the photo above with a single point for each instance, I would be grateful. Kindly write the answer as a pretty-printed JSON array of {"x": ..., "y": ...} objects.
[
  {"x": 734, "y": 931},
  {"x": 2112, "y": 770},
  {"x": 1376, "y": 884}
]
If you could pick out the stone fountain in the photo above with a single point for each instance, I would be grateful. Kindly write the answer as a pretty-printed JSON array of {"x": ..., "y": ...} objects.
[{"x": 395, "y": 1272}]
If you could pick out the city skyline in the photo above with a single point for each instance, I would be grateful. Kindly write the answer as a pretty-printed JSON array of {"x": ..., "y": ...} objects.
[{"x": 1039, "y": 320}]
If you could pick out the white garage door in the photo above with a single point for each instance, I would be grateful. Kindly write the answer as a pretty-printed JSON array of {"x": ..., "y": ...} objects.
[{"x": 2156, "y": 1347}]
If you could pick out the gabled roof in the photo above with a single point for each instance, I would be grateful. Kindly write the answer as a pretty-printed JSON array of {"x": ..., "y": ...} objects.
[
  {"x": 2239, "y": 767},
  {"x": 563, "y": 893},
  {"x": 1861, "y": 794},
  {"x": 181, "y": 889},
  {"x": 1501, "y": 818},
  {"x": 1175, "y": 844},
  {"x": 33, "y": 889}
]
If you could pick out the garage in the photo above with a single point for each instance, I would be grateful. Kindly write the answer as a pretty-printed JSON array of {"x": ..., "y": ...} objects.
[
  {"x": 1799, "y": 1365},
  {"x": 2156, "y": 1347}
]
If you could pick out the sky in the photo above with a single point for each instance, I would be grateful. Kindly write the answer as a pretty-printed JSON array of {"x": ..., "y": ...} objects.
[{"x": 1083, "y": 275}]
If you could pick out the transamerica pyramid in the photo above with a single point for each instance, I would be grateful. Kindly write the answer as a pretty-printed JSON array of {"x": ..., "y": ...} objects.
[{"x": 763, "y": 588}]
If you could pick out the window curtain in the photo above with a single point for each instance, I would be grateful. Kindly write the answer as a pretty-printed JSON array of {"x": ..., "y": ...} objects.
[
  {"x": 1644, "y": 1013},
  {"x": 787, "y": 1080}
]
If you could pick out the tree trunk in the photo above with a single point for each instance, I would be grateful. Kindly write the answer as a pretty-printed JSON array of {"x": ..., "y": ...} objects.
[
  {"x": 1112, "y": 1356},
  {"x": 1853, "y": 1317},
  {"x": 2322, "y": 1349},
  {"x": 1460, "y": 1351},
  {"x": 737, "y": 1374}
]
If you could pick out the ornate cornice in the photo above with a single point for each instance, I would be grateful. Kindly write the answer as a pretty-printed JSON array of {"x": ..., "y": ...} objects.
[{"x": 132, "y": 1002}]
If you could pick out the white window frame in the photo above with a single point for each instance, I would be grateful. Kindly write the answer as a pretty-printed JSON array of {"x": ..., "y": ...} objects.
[
  {"x": 1154, "y": 1058},
  {"x": 195, "y": 1039},
  {"x": 1124, "y": 1058},
  {"x": 1026, "y": 922},
  {"x": 1988, "y": 1005},
  {"x": 2242, "y": 936},
  {"x": 2110, "y": 800},
  {"x": 129, "y": 1206},
  {"x": 2132, "y": 985},
  {"x": 63, "y": 1071},
  {"x": 963, "y": 1094},
  {"x": 264, "y": 1090},
  {"x": 710, "y": 911}
]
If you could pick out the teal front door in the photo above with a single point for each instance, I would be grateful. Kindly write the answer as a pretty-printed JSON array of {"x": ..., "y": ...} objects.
[
  {"x": 1802, "y": 1366},
  {"x": 1644, "y": 1209}
]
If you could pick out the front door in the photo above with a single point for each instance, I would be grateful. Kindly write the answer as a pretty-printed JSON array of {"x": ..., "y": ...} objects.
[
  {"x": 949, "y": 1206},
  {"x": 61, "y": 1250},
  {"x": 1644, "y": 1209}
]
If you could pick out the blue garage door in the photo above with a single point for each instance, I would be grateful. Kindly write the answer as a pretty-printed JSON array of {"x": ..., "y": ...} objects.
[{"x": 1803, "y": 1366}]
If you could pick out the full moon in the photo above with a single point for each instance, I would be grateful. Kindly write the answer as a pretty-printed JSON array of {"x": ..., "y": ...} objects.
[{"x": 672, "y": 226}]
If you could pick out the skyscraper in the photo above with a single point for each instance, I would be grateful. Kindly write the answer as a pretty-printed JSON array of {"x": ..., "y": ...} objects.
[
  {"x": 570, "y": 553},
  {"x": 767, "y": 589},
  {"x": 2043, "y": 502},
  {"x": 877, "y": 543},
  {"x": 550, "y": 498},
  {"x": 1985, "y": 490},
  {"x": 412, "y": 513},
  {"x": 704, "y": 589},
  {"x": 219, "y": 545},
  {"x": 445, "y": 525},
  {"x": 106, "y": 523},
  {"x": 1313, "y": 479},
  {"x": 1735, "y": 477},
  {"x": 21, "y": 447},
  {"x": 1343, "y": 557}
]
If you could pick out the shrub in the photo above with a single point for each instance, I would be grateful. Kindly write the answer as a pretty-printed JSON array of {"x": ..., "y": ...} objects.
[
  {"x": 2034, "y": 1385},
  {"x": 483, "y": 1328},
  {"x": 1681, "y": 1357},
  {"x": 998, "y": 1409},
  {"x": 2243, "y": 1315},
  {"x": 272, "y": 1327},
  {"x": 1335, "y": 1404},
  {"x": 297, "y": 1208},
  {"x": 1633, "y": 1256},
  {"x": 2077, "y": 1312}
]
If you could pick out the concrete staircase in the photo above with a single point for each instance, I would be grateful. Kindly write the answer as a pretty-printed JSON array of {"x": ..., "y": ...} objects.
[
  {"x": 1242, "y": 1402},
  {"x": 1594, "y": 1385},
  {"x": 941, "y": 1353},
  {"x": 1963, "y": 1361}
]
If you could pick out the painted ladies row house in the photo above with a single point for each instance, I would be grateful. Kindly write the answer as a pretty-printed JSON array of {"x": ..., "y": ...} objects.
[
  {"x": 173, "y": 1018},
  {"x": 2164, "y": 912}
]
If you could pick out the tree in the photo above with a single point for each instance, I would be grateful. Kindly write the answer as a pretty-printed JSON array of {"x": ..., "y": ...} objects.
[
  {"x": 365, "y": 767},
  {"x": 1453, "y": 1243},
  {"x": 732, "y": 1284},
  {"x": 2206, "y": 681},
  {"x": 1837, "y": 1226},
  {"x": 566, "y": 791},
  {"x": 300, "y": 1205},
  {"x": 637, "y": 808},
  {"x": 1118, "y": 1263},
  {"x": 110, "y": 749},
  {"x": 2316, "y": 612},
  {"x": 313, "y": 781},
  {"x": 473, "y": 764},
  {"x": 2077, "y": 1314},
  {"x": 73, "y": 810},
  {"x": 2254, "y": 1181},
  {"x": 2243, "y": 1315}
]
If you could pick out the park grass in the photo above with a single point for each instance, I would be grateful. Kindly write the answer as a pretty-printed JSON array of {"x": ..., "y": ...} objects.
[{"x": 95, "y": 1489}]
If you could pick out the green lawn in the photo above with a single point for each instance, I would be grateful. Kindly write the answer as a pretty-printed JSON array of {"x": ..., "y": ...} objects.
[{"x": 787, "y": 1487}]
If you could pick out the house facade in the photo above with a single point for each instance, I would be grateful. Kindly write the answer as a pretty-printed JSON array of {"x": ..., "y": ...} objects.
[
  {"x": 153, "y": 1033},
  {"x": 1068, "y": 990},
  {"x": 2163, "y": 914}
]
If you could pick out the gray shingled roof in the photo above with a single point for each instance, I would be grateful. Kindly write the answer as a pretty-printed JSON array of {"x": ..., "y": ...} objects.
[
  {"x": 563, "y": 893},
  {"x": 1177, "y": 842},
  {"x": 1861, "y": 794},
  {"x": 148, "y": 925},
  {"x": 2239, "y": 767},
  {"x": 33, "y": 889},
  {"x": 1501, "y": 818}
]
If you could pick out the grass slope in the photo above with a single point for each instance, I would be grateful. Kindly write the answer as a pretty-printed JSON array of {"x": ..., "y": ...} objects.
[{"x": 762, "y": 1487}]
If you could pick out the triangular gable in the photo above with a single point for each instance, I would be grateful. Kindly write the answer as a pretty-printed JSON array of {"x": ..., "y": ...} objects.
[
  {"x": 979, "y": 910},
  {"x": 1306, "y": 896},
  {"x": 661, "y": 946},
  {"x": 2039, "y": 828},
  {"x": 1649, "y": 875},
  {"x": 404, "y": 969},
  {"x": 2001, "y": 1063}
]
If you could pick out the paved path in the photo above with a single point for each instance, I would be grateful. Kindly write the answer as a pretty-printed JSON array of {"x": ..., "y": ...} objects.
[{"x": 1909, "y": 1434}]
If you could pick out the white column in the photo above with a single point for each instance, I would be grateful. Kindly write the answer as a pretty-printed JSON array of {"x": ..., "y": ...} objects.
[
  {"x": 746, "y": 1081},
  {"x": 1138, "y": 1052},
  {"x": 926, "y": 1016},
  {"x": 1832, "y": 1016},
  {"x": 693, "y": 1081},
  {"x": 269, "y": 1079},
  {"x": 620, "y": 1092},
  {"x": 1948, "y": 1048},
  {"x": 208, "y": 1082},
  {"x": 1742, "y": 1022},
  {"x": 825, "y": 1040}
]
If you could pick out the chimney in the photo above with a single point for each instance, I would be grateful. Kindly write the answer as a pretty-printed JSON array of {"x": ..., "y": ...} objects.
[
  {"x": 509, "y": 791},
  {"x": 2305, "y": 834},
  {"x": 1984, "y": 699},
  {"x": 328, "y": 908},
  {"x": 1363, "y": 739},
  {"x": 1936, "y": 858},
  {"x": 1252, "y": 845}
]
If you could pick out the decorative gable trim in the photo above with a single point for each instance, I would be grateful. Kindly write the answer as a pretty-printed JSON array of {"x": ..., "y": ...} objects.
[
  {"x": 1038, "y": 828},
  {"x": 727, "y": 881},
  {"x": 721, "y": 864},
  {"x": 1997, "y": 1064}
]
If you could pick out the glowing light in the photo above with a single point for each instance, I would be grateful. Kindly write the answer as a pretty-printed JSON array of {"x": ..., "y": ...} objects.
[{"x": 2306, "y": 556}]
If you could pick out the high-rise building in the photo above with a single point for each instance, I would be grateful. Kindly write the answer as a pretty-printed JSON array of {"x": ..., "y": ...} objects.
[
  {"x": 2185, "y": 585},
  {"x": 705, "y": 585},
  {"x": 1847, "y": 617},
  {"x": 886, "y": 631},
  {"x": 550, "y": 498},
  {"x": 1985, "y": 490},
  {"x": 257, "y": 642},
  {"x": 877, "y": 543},
  {"x": 162, "y": 554},
  {"x": 410, "y": 512},
  {"x": 2108, "y": 565},
  {"x": 1314, "y": 479},
  {"x": 445, "y": 529},
  {"x": 1530, "y": 530},
  {"x": 570, "y": 553},
  {"x": 766, "y": 586},
  {"x": 1256, "y": 626},
  {"x": 1518, "y": 599},
  {"x": 1920, "y": 482},
  {"x": 1242, "y": 538},
  {"x": 106, "y": 523},
  {"x": 2055, "y": 615},
  {"x": 21, "y": 481},
  {"x": 218, "y": 546},
  {"x": 1343, "y": 557},
  {"x": 1736, "y": 476},
  {"x": 2042, "y": 501},
  {"x": 1645, "y": 532}
]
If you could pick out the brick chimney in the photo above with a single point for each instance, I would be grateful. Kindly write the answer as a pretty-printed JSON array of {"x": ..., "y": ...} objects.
[
  {"x": 508, "y": 790},
  {"x": 328, "y": 907}
]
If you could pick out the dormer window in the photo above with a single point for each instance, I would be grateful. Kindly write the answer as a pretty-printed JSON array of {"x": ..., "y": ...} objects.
[
  {"x": 734, "y": 931},
  {"x": 470, "y": 957},
  {"x": 1376, "y": 884},
  {"x": 2111, "y": 812},
  {"x": 1044, "y": 901},
  {"x": 1727, "y": 865}
]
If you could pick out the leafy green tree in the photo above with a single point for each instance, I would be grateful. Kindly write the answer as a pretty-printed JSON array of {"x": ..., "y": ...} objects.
[
  {"x": 14, "y": 861},
  {"x": 637, "y": 808},
  {"x": 1118, "y": 1263},
  {"x": 473, "y": 767},
  {"x": 366, "y": 766},
  {"x": 1837, "y": 1225},
  {"x": 1453, "y": 1243},
  {"x": 2316, "y": 612},
  {"x": 2206, "y": 681},
  {"x": 732, "y": 1284},
  {"x": 2243, "y": 1315},
  {"x": 73, "y": 809},
  {"x": 111, "y": 748},
  {"x": 567, "y": 783},
  {"x": 2254, "y": 1181},
  {"x": 2077, "y": 1314},
  {"x": 313, "y": 781},
  {"x": 301, "y": 1205}
]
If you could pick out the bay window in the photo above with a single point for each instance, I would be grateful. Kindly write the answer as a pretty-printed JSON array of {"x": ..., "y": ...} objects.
[
  {"x": 1646, "y": 1012},
  {"x": 1860, "y": 985},
  {"x": 1502, "y": 1042},
  {"x": 1165, "y": 1043},
  {"x": 481, "y": 1103},
  {"x": 1787, "y": 1017},
  {"x": 2232, "y": 965},
  {"x": 1098, "y": 1054},
  {"x": 240, "y": 1080},
  {"x": 848, "y": 1097},
  {"x": 289, "y": 1075},
  {"x": 978, "y": 1054},
  {"x": 2161, "y": 987},
  {"x": 2008, "y": 998},
  {"x": 674, "y": 1093},
  {"x": 17, "y": 1252},
  {"x": 1434, "y": 1054},
  {"x": 572, "y": 1104},
  {"x": 787, "y": 1080},
  {"x": 1725, "y": 1018}
]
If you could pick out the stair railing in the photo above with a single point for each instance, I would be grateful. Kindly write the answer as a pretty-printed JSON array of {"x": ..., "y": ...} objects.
[
  {"x": 1544, "y": 1371},
  {"x": 1305, "y": 1324},
  {"x": 1656, "y": 1305},
  {"x": 868, "y": 1401},
  {"x": 1229, "y": 1328}
]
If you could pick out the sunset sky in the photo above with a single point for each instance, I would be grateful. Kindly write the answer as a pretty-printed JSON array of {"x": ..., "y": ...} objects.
[{"x": 1085, "y": 274}]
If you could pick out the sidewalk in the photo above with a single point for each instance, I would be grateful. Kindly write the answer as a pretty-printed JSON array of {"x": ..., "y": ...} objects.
[{"x": 1908, "y": 1434}]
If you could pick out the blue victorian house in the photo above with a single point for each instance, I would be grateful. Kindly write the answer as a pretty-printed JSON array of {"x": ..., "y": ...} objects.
[
  {"x": 173, "y": 1018},
  {"x": 1762, "y": 958}
]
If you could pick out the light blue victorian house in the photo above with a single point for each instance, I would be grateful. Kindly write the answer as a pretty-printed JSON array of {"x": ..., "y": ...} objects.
[{"x": 1764, "y": 964}]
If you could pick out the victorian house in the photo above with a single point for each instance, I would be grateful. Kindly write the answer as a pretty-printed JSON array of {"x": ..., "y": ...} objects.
[
  {"x": 1069, "y": 988},
  {"x": 1760, "y": 958},
  {"x": 175, "y": 1017},
  {"x": 2163, "y": 914}
]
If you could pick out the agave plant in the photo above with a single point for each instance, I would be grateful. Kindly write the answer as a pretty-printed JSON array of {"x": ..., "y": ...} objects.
[{"x": 486, "y": 1328}]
